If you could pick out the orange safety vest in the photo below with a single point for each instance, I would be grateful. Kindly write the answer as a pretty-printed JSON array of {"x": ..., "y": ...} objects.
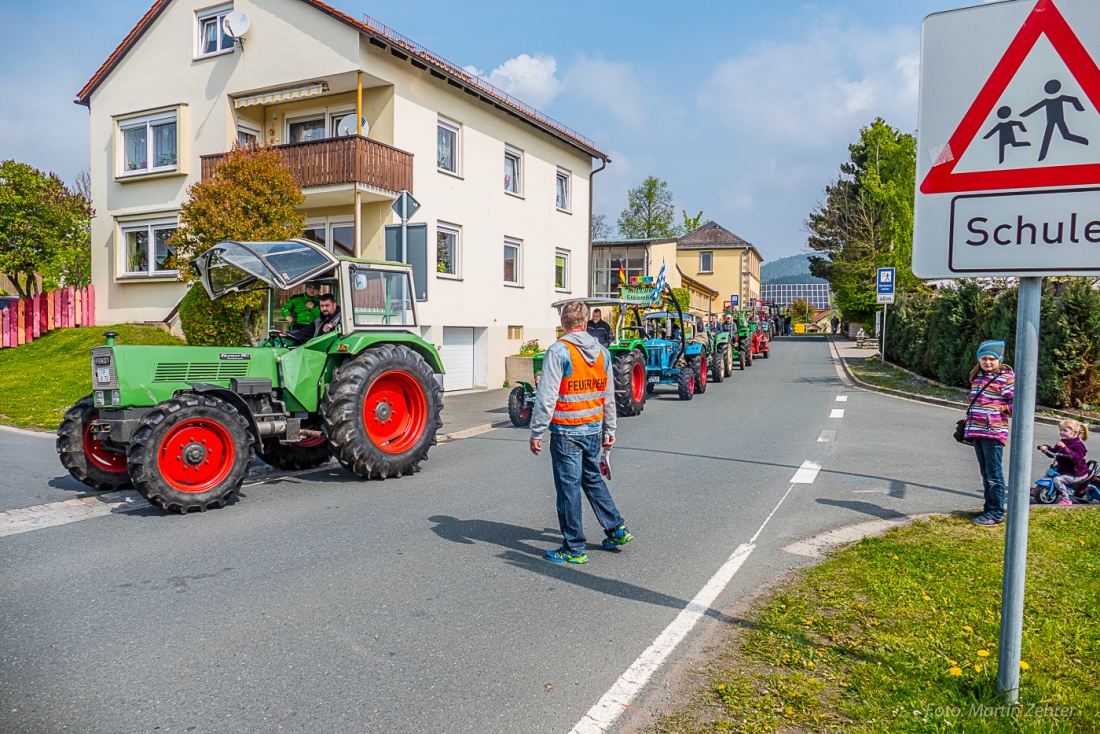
[{"x": 581, "y": 395}]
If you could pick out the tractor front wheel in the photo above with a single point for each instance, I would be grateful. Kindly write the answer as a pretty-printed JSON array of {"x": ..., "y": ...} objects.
[
  {"x": 518, "y": 409},
  {"x": 190, "y": 453},
  {"x": 630, "y": 383},
  {"x": 87, "y": 460},
  {"x": 381, "y": 412},
  {"x": 685, "y": 382},
  {"x": 717, "y": 367}
]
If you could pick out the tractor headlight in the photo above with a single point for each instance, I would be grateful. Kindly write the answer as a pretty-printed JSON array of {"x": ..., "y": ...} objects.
[
  {"x": 116, "y": 397},
  {"x": 100, "y": 398}
]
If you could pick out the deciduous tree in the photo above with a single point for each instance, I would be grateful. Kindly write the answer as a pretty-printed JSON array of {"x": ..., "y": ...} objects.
[{"x": 649, "y": 211}]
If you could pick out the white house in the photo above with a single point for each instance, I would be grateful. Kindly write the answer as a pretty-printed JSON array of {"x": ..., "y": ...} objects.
[{"x": 360, "y": 113}]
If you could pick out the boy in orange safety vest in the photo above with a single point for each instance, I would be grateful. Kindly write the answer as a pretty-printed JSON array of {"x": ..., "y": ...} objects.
[{"x": 576, "y": 400}]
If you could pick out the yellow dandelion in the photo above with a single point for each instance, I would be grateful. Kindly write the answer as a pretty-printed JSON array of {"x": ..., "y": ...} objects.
[
  {"x": 1081, "y": 542},
  {"x": 952, "y": 662},
  {"x": 926, "y": 597},
  {"x": 1024, "y": 666},
  {"x": 885, "y": 678},
  {"x": 977, "y": 668},
  {"x": 721, "y": 686},
  {"x": 811, "y": 664},
  {"x": 967, "y": 628},
  {"x": 895, "y": 558},
  {"x": 955, "y": 670},
  {"x": 788, "y": 711},
  {"x": 983, "y": 653}
]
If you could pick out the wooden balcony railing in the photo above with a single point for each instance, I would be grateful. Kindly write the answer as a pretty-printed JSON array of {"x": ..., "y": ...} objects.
[{"x": 348, "y": 159}]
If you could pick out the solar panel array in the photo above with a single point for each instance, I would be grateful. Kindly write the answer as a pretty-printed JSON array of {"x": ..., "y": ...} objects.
[{"x": 815, "y": 294}]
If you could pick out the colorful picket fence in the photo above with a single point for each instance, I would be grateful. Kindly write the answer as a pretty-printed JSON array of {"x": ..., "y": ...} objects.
[{"x": 27, "y": 319}]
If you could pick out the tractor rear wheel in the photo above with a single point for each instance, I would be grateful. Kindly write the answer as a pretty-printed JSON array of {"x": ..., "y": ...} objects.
[
  {"x": 87, "y": 460},
  {"x": 309, "y": 453},
  {"x": 630, "y": 383},
  {"x": 685, "y": 383},
  {"x": 190, "y": 453},
  {"x": 699, "y": 369},
  {"x": 727, "y": 362},
  {"x": 518, "y": 409},
  {"x": 740, "y": 359},
  {"x": 381, "y": 412}
]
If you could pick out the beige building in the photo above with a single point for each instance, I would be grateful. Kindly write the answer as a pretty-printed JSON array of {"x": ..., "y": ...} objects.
[
  {"x": 359, "y": 113},
  {"x": 721, "y": 260}
]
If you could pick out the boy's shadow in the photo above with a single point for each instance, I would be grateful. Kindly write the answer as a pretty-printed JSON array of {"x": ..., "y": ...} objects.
[{"x": 512, "y": 537}]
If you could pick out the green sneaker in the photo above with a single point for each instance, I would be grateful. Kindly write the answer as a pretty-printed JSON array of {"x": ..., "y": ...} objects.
[
  {"x": 615, "y": 538},
  {"x": 561, "y": 555}
]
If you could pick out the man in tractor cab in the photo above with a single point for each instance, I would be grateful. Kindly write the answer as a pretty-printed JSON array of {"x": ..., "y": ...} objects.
[
  {"x": 329, "y": 318},
  {"x": 576, "y": 400}
]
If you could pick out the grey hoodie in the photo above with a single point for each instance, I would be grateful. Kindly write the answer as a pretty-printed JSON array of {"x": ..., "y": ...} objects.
[{"x": 556, "y": 366}]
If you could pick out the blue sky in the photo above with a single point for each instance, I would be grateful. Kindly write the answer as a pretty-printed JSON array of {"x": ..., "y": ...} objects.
[{"x": 746, "y": 109}]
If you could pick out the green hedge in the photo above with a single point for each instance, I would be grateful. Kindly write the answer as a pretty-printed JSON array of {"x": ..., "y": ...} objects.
[
  {"x": 221, "y": 323},
  {"x": 937, "y": 334}
]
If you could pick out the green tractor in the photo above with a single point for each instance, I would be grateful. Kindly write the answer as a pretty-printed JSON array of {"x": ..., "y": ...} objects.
[
  {"x": 181, "y": 424},
  {"x": 719, "y": 348},
  {"x": 628, "y": 354}
]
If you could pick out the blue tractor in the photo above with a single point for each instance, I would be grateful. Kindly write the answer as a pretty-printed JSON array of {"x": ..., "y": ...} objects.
[{"x": 674, "y": 356}]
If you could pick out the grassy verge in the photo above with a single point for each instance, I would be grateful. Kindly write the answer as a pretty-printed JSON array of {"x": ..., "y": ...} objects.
[
  {"x": 873, "y": 371},
  {"x": 40, "y": 380},
  {"x": 899, "y": 634}
]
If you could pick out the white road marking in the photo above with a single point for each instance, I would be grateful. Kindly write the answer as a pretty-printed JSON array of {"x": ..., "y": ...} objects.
[
  {"x": 826, "y": 436},
  {"x": 806, "y": 473},
  {"x": 836, "y": 413},
  {"x": 870, "y": 491},
  {"x": 37, "y": 517},
  {"x": 841, "y": 398},
  {"x": 611, "y": 705}
]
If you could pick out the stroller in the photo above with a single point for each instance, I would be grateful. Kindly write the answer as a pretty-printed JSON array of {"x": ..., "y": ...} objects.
[{"x": 1045, "y": 493}]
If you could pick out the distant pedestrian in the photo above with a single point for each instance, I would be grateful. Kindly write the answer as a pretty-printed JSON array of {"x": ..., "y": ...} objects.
[
  {"x": 787, "y": 324},
  {"x": 600, "y": 329},
  {"x": 992, "y": 385},
  {"x": 576, "y": 400},
  {"x": 1069, "y": 457},
  {"x": 834, "y": 322}
]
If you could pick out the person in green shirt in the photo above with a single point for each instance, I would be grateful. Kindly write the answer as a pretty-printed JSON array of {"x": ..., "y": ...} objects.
[{"x": 301, "y": 311}]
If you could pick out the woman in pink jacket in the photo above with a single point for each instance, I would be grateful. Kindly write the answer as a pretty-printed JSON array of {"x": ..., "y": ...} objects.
[{"x": 992, "y": 386}]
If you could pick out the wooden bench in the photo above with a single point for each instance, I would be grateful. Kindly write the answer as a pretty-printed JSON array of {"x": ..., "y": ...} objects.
[{"x": 866, "y": 342}]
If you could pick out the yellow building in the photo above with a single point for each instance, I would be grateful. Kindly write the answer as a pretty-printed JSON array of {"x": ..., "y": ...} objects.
[
  {"x": 701, "y": 298},
  {"x": 719, "y": 259}
]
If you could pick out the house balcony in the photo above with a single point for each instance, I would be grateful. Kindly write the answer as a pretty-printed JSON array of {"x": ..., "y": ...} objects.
[{"x": 324, "y": 168}]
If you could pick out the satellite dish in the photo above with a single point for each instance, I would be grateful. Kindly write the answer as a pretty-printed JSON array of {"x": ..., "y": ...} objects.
[
  {"x": 236, "y": 24},
  {"x": 346, "y": 125}
]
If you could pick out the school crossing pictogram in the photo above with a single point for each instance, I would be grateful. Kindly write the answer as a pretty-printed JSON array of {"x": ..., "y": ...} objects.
[{"x": 1047, "y": 144}]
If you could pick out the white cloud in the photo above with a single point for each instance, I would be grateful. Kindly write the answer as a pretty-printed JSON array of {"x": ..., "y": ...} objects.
[
  {"x": 613, "y": 86},
  {"x": 531, "y": 79}
]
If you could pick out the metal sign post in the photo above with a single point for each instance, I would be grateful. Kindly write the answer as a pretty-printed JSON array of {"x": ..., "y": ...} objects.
[
  {"x": 885, "y": 296},
  {"x": 1000, "y": 198},
  {"x": 404, "y": 207}
]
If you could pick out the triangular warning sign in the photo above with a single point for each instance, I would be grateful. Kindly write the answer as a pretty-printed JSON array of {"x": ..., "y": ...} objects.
[{"x": 1044, "y": 19}]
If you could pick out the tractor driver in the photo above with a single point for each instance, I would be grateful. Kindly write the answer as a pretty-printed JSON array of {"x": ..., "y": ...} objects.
[
  {"x": 329, "y": 318},
  {"x": 301, "y": 311}
]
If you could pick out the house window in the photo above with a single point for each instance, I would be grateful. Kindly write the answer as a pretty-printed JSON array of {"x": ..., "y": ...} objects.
[
  {"x": 212, "y": 38},
  {"x": 146, "y": 247},
  {"x": 336, "y": 235},
  {"x": 706, "y": 262},
  {"x": 609, "y": 264},
  {"x": 149, "y": 144},
  {"x": 446, "y": 250},
  {"x": 515, "y": 333},
  {"x": 562, "y": 190},
  {"x": 561, "y": 270},
  {"x": 513, "y": 171},
  {"x": 447, "y": 145},
  {"x": 248, "y": 135},
  {"x": 513, "y": 263},
  {"x": 304, "y": 130}
]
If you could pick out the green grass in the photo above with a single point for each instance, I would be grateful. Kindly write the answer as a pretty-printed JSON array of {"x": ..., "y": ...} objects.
[
  {"x": 872, "y": 371},
  {"x": 40, "y": 380},
  {"x": 889, "y": 635}
]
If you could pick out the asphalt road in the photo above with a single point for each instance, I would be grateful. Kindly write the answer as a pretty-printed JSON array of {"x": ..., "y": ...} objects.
[{"x": 319, "y": 603}]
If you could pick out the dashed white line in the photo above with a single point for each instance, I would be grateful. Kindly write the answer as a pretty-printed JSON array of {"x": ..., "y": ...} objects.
[
  {"x": 841, "y": 398},
  {"x": 826, "y": 436},
  {"x": 806, "y": 473},
  {"x": 836, "y": 413}
]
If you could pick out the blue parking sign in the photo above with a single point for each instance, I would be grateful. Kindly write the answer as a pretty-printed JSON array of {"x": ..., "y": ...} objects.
[{"x": 734, "y": 299}]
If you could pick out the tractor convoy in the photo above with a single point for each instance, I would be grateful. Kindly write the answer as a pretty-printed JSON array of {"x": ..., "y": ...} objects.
[{"x": 182, "y": 424}]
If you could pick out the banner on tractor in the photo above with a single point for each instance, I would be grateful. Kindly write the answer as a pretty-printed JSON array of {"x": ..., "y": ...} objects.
[{"x": 637, "y": 294}]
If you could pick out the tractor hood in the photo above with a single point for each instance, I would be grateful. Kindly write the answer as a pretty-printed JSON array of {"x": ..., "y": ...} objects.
[{"x": 228, "y": 267}]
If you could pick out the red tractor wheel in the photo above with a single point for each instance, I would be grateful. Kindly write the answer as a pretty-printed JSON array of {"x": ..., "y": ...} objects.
[
  {"x": 630, "y": 383},
  {"x": 86, "y": 458}
]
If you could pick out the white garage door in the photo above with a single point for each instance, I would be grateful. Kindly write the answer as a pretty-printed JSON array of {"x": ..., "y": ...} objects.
[{"x": 458, "y": 357}]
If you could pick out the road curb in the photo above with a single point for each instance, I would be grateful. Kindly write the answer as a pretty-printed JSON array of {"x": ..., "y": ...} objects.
[
  {"x": 470, "y": 432},
  {"x": 912, "y": 396}
]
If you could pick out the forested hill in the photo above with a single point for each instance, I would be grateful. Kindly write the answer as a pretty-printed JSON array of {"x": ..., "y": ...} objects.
[{"x": 793, "y": 269}]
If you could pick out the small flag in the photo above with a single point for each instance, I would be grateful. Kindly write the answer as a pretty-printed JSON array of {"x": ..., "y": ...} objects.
[
  {"x": 622, "y": 273},
  {"x": 659, "y": 286}
]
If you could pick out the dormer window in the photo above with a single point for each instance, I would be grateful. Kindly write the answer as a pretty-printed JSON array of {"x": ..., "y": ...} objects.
[{"x": 211, "y": 36}]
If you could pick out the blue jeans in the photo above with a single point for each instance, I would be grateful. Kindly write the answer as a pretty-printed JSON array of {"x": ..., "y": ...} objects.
[
  {"x": 989, "y": 454},
  {"x": 576, "y": 462}
]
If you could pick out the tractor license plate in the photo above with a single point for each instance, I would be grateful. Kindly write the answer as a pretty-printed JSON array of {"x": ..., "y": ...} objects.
[
  {"x": 103, "y": 375},
  {"x": 655, "y": 378}
]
